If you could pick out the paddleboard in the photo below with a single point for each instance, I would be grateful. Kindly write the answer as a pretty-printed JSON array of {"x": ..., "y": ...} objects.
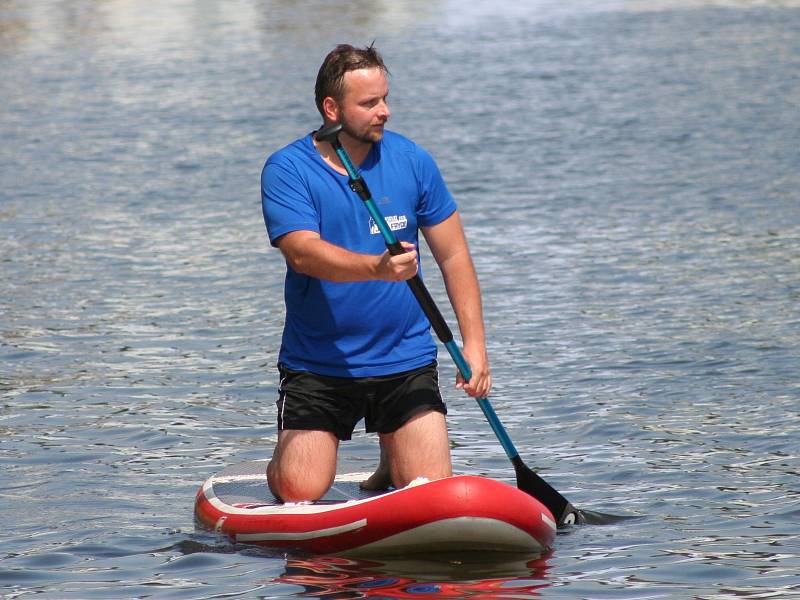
[{"x": 457, "y": 514}]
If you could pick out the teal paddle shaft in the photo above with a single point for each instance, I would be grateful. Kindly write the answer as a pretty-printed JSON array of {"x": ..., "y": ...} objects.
[{"x": 527, "y": 480}]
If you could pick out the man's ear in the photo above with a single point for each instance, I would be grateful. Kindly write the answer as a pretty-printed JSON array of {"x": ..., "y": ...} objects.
[{"x": 331, "y": 109}]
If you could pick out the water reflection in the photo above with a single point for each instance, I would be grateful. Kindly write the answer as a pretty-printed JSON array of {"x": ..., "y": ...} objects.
[
  {"x": 316, "y": 17},
  {"x": 467, "y": 576}
]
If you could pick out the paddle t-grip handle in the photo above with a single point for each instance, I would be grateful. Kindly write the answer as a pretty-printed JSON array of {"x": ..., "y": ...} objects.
[{"x": 328, "y": 134}]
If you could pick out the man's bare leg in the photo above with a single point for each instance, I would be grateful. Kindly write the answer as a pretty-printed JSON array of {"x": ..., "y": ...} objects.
[
  {"x": 303, "y": 465},
  {"x": 420, "y": 448},
  {"x": 381, "y": 479}
]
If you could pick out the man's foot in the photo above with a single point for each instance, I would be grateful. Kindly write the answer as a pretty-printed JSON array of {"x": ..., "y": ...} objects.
[{"x": 380, "y": 480}]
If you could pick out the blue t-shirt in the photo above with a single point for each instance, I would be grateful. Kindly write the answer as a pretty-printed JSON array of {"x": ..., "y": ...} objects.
[{"x": 364, "y": 328}]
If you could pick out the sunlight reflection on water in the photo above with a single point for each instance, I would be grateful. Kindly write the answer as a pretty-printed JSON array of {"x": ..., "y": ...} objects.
[{"x": 627, "y": 174}]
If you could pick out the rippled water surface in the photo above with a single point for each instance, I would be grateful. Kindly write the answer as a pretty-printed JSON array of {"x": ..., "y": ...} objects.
[{"x": 628, "y": 175}]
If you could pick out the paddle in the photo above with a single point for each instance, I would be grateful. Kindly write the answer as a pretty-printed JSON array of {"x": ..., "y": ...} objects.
[{"x": 527, "y": 480}]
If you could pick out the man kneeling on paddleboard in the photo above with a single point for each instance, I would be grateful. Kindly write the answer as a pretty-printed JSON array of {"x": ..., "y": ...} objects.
[{"x": 356, "y": 343}]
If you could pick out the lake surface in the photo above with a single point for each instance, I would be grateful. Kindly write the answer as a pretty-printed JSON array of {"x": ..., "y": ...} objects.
[{"x": 628, "y": 175}]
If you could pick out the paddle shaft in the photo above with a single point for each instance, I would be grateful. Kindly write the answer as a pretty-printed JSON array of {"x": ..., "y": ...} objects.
[
  {"x": 424, "y": 298},
  {"x": 554, "y": 501}
]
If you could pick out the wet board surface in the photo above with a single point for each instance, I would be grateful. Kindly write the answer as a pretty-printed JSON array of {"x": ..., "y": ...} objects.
[{"x": 245, "y": 484}]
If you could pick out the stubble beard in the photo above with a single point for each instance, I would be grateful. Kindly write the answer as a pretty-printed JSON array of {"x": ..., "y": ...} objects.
[{"x": 369, "y": 135}]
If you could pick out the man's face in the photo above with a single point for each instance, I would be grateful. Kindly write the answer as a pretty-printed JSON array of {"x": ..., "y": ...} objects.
[{"x": 363, "y": 110}]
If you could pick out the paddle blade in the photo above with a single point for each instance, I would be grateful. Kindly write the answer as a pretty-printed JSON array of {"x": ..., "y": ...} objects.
[{"x": 530, "y": 483}]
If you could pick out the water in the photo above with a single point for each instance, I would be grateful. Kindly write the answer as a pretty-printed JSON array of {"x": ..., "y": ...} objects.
[{"x": 628, "y": 177}]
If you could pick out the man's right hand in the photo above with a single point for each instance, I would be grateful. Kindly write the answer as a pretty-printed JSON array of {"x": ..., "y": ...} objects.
[
  {"x": 398, "y": 267},
  {"x": 306, "y": 253}
]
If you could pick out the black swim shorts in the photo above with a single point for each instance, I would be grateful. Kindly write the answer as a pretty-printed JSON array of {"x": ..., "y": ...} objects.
[{"x": 318, "y": 402}]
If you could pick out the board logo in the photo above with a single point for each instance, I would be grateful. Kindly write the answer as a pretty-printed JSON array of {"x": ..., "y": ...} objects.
[{"x": 395, "y": 223}]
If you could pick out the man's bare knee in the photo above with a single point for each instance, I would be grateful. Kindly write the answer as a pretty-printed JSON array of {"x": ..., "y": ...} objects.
[
  {"x": 420, "y": 448},
  {"x": 303, "y": 466},
  {"x": 298, "y": 487}
]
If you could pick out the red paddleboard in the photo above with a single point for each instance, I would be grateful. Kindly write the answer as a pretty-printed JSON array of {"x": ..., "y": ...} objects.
[{"x": 457, "y": 514}]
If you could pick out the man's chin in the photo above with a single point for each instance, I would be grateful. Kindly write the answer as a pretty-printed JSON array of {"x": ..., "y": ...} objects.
[
  {"x": 377, "y": 132},
  {"x": 370, "y": 136}
]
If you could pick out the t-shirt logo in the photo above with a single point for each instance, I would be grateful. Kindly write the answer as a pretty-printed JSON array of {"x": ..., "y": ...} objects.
[{"x": 395, "y": 223}]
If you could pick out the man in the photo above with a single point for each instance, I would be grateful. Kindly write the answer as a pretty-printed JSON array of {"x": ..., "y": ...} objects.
[{"x": 355, "y": 342}]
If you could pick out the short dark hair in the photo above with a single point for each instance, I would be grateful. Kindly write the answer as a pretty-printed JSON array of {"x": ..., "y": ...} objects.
[{"x": 340, "y": 60}]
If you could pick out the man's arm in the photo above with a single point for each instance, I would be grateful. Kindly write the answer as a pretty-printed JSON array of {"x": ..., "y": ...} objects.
[
  {"x": 449, "y": 247},
  {"x": 307, "y": 253}
]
